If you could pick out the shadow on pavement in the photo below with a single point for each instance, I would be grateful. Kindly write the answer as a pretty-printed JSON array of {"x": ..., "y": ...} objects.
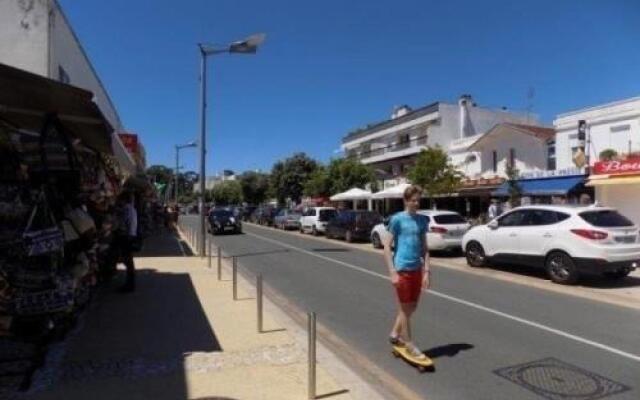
[
  {"x": 331, "y": 250},
  {"x": 448, "y": 350},
  {"x": 589, "y": 281},
  {"x": 257, "y": 253},
  {"x": 331, "y": 394},
  {"x": 132, "y": 346},
  {"x": 165, "y": 243}
]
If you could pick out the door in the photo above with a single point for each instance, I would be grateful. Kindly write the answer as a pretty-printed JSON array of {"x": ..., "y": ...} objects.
[
  {"x": 537, "y": 234},
  {"x": 503, "y": 242}
]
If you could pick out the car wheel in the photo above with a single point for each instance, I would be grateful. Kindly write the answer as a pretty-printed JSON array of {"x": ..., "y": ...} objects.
[
  {"x": 619, "y": 274},
  {"x": 314, "y": 231},
  {"x": 348, "y": 236},
  {"x": 375, "y": 240},
  {"x": 328, "y": 234},
  {"x": 561, "y": 268},
  {"x": 301, "y": 230},
  {"x": 475, "y": 255}
]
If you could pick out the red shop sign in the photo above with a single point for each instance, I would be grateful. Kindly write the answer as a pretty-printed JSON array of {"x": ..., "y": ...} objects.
[
  {"x": 130, "y": 142},
  {"x": 617, "y": 167}
]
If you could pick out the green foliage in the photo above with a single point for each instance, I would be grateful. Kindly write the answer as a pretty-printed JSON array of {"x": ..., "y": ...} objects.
[
  {"x": 434, "y": 173},
  {"x": 515, "y": 191},
  {"x": 255, "y": 187},
  {"x": 318, "y": 184},
  {"x": 160, "y": 174},
  {"x": 347, "y": 173},
  {"x": 289, "y": 176},
  {"x": 608, "y": 154},
  {"x": 226, "y": 193}
]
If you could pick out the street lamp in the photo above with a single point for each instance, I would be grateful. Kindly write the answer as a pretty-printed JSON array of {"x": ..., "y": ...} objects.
[
  {"x": 178, "y": 148},
  {"x": 246, "y": 46}
]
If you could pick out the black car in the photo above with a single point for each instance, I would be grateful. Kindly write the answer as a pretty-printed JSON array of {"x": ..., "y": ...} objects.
[
  {"x": 352, "y": 225},
  {"x": 265, "y": 215},
  {"x": 223, "y": 221}
]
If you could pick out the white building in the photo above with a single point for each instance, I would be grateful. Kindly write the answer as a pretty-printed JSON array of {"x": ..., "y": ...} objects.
[
  {"x": 36, "y": 36},
  {"x": 609, "y": 126},
  {"x": 391, "y": 146}
]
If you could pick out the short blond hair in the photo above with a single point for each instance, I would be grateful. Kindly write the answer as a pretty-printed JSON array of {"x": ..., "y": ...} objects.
[{"x": 412, "y": 191}]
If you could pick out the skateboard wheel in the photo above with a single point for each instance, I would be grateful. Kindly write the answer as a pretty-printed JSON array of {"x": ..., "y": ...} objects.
[
  {"x": 395, "y": 353},
  {"x": 422, "y": 369}
]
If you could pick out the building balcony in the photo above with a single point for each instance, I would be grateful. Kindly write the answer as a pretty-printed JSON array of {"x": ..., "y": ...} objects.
[{"x": 392, "y": 151}]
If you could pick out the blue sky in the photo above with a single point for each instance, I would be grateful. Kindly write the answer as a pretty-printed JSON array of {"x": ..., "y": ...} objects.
[{"x": 330, "y": 66}]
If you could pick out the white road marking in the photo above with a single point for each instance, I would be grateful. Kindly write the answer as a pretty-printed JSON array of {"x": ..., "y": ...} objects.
[{"x": 523, "y": 321}]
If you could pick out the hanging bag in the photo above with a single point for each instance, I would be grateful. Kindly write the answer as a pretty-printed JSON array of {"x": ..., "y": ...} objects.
[{"x": 42, "y": 241}]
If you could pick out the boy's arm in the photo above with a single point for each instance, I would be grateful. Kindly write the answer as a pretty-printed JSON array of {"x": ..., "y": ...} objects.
[{"x": 388, "y": 256}]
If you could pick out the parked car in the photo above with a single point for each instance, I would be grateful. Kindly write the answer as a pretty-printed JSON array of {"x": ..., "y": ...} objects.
[
  {"x": 352, "y": 225},
  {"x": 264, "y": 215},
  {"x": 315, "y": 219},
  {"x": 446, "y": 229},
  {"x": 287, "y": 219},
  {"x": 222, "y": 221},
  {"x": 247, "y": 212},
  {"x": 567, "y": 241}
]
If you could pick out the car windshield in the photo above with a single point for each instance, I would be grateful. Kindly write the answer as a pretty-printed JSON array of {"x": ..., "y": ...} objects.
[
  {"x": 221, "y": 213},
  {"x": 448, "y": 219},
  {"x": 605, "y": 218},
  {"x": 326, "y": 215},
  {"x": 294, "y": 215}
]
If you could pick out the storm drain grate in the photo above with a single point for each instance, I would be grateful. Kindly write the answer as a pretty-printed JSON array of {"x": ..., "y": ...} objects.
[{"x": 557, "y": 380}]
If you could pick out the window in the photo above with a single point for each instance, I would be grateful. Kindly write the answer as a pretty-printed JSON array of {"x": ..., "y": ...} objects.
[
  {"x": 62, "y": 75},
  {"x": 512, "y": 157},
  {"x": 326, "y": 215},
  {"x": 551, "y": 155},
  {"x": 447, "y": 219},
  {"x": 515, "y": 218},
  {"x": 545, "y": 217},
  {"x": 605, "y": 218},
  {"x": 495, "y": 161},
  {"x": 620, "y": 128}
]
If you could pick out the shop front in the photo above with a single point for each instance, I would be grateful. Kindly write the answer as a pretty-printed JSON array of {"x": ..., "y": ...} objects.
[
  {"x": 617, "y": 184},
  {"x": 568, "y": 189}
]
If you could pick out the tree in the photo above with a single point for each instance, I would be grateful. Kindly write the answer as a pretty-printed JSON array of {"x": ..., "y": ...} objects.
[
  {"x": 608, "y": 154},
  {"x": 160, "y": 174},
  {"x": 347, "y": 173},
  {"x": 255, "y": 186},
  {"x": 227, "y": 193},
  {"x": 434, "y": 173},
  {"x": 289, "y": 176},
  {"x": 514, "y": 188},
  {"x": 318, "y": 184}
]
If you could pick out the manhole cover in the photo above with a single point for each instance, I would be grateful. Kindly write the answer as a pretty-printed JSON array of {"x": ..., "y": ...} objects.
[{"x": 557, "y": 380}]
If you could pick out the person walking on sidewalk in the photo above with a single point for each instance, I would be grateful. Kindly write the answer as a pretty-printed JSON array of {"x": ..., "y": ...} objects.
[
  {"x": 408, "y": 265},
  {"x": 127, "y": 238}
]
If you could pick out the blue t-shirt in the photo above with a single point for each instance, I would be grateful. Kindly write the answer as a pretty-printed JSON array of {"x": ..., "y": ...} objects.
[{"x": 409, "y": 232}]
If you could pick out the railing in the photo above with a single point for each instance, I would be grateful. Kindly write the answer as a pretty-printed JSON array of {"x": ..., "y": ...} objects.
[{"x": 415, "y": 142}]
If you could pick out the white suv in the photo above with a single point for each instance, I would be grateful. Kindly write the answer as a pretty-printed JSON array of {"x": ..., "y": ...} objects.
[
  {"x": 566, "y": 240},
  {"x": 446, "y": 229},
  {"x": 314, "y": 219}
]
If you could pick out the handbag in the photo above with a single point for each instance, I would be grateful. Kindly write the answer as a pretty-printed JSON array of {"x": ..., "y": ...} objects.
[{"x": 42, "y": 241}]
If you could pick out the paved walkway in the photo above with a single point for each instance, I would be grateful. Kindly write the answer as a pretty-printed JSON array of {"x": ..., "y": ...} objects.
[{"x": 179, "y": 336}]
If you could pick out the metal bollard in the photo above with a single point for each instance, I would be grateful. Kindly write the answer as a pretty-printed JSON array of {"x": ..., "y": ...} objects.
[
  {"x": 312, "y": 354},
  {"x": 259, "y": 301},
  {"x": 235, "y": 278},
  {"x": 209, "y": 237},
  {"x": 219, "y": 263}
]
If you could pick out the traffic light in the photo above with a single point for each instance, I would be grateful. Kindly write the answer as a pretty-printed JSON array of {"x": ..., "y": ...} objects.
[{"x": 582, "y": 130}]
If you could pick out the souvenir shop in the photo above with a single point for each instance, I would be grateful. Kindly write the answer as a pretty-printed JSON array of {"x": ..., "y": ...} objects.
[{"x": 58, "y": 182}]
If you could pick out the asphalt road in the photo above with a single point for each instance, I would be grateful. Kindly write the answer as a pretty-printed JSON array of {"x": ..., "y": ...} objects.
[{"x": 474, "y": 327}]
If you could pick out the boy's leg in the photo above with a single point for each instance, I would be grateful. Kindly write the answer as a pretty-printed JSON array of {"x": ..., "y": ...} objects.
[{"x": 406, "y": 310}]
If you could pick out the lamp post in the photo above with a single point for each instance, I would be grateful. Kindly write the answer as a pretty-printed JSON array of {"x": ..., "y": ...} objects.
[
  {"x": 178, "y": 148},
  {"x": 246, "y": 46}
]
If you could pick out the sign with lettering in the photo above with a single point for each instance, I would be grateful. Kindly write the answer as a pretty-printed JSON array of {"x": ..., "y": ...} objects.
[
  {"x": 130, "y": 142},
  {"x": 615, "y": 167},
  {"x": 550, "y": 173}
]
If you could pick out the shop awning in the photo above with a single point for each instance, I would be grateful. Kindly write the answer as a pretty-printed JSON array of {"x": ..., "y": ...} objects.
[
  {"x": 352, "y": 194},
  {"x": 396, "y": 192},
  {"x": 613, "y": 180},
  {"x": 556, "y": 186},
  {"x": 26, "y": 99}
]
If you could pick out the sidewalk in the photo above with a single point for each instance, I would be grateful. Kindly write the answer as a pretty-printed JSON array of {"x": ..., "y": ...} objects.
[{"x": 179, "y": 336}]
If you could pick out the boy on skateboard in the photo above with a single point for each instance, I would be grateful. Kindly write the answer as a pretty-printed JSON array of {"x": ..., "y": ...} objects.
[{"x": 408, "y": 266}]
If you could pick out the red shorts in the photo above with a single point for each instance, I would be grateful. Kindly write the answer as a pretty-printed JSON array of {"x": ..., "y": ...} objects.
[{"x": 409, "y": 286}]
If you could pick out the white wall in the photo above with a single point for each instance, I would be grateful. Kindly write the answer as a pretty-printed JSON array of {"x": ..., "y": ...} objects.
[
  {"x": 23, "y": 35},
  {"x": 604, "y": 123},
  {"x": 530, "y": 154},
  {"x": 622, "y": 197}
]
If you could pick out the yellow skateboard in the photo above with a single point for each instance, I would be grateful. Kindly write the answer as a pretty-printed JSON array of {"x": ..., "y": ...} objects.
[{"x": 422, "y": 364}]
